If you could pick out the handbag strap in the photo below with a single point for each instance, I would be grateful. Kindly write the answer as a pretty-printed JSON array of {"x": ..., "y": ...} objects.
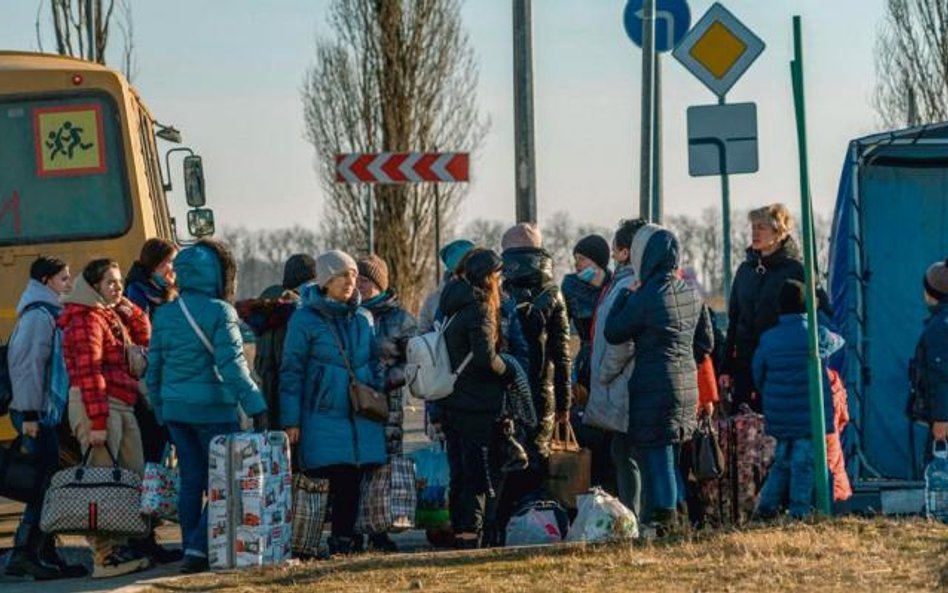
[
  {"x": 342, "y": 350},
  {"x": 568, "y": 441},
  {"x": 194, "y": 326}
]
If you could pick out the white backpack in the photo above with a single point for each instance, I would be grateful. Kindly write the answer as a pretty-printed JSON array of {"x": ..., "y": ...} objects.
[{"x": 430, "y": 376}]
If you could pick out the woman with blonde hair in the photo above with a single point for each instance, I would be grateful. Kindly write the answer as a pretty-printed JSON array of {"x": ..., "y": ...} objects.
[{"x": 772, "y": 258}]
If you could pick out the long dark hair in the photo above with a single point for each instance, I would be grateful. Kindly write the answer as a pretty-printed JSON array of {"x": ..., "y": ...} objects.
[{"x": 155, "y": 251}]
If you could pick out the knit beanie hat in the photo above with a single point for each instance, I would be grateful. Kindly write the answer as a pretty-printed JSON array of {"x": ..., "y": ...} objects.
[
  {"x": 331, "y": 264},
  {"x": 452, "y": 253},
  {"x": 792, "y": 297},
  {"x": 375, "y": 269},
  {"x": 299, "y": 269},
  {"x": 524, "y": 234},
  {"x": 595, "y": 248},
  {"x": 936, "y": 280},
  {"x": 480, "y": 264}
]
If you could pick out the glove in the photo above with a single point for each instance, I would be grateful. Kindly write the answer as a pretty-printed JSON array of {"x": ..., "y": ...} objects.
[{"x": 261, "y": 422}]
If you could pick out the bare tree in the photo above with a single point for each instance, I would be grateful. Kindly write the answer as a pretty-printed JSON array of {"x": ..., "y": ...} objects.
[
  {"x": 395, "y": 76},
  {"x": 485, "y": 233},
  {"x": 261, "y": 254},
  {"x": 912, "y": 63},
  {"x": 81, "y": 29}
]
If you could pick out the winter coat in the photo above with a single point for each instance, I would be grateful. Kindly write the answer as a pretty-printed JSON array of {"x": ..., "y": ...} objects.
[
  {"x": 528, "y": 278},
  {"x": 314, "y": 382},
  {"x": 393, "y": 327},
  {"x": 141, "y": 289},
  {"x": 94, "y": 338},
  {"x": 781, "y": 375},
  {"x": 582, "y": 298},
  {"x": 753, "y": 306},
  {"x": 480, "y": 387},
  {"x": 660, "y": 318},
  {"x": 612, "y": 364},
  {"x": 31, "y": 345},
  {"x": 267, "y": 317},
  {"x": 931, "y": 360},
  {"x": 835, "y": 460},
  {"x": 186, "y": 383}
]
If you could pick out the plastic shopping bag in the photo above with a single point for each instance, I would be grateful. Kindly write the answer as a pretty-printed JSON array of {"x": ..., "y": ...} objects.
[{"x": 602, "y": 518}]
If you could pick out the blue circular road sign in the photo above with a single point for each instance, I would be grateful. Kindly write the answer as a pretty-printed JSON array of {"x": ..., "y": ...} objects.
[{"x": 672, "y": 21}]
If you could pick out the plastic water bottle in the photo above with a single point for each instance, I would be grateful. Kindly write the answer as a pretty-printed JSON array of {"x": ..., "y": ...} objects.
[{"x": 936, "y": 483}]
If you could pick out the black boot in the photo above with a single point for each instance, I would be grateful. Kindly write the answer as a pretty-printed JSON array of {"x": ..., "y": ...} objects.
[
  {"x": 665, "y": 522},
  {"x": 49, "y": 555},
  {"x": 381, "y": 542},
  {"x": 339, "y": 545},
  {"x": 148, "y": 546},
  {"x": 24, "y": 560}
]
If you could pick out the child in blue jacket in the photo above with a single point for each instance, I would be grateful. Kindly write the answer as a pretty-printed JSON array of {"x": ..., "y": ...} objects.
[{"x": 781, "y": 375}]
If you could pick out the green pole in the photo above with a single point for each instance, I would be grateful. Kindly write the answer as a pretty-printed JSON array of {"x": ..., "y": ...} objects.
[{"x": 817, "y": 417}]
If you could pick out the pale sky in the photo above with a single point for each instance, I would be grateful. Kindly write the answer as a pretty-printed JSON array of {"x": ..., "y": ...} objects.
[{"x": 228, "y": 74}]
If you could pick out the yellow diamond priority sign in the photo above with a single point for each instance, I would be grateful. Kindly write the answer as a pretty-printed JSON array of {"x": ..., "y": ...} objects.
[{"x": 718, "y": 49}]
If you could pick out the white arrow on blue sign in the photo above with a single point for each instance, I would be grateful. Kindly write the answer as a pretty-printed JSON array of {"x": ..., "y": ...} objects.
[{"x": 672, "y": 20}]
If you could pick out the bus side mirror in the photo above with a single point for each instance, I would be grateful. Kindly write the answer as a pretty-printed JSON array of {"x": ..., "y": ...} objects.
[
  {"x": 201, "y": 222},
  {"x": 194, "y": 181}
]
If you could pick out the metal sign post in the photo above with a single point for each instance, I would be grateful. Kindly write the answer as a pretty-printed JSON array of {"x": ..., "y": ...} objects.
[
  {"x": 525, "y": 154},
  {"x": 817, "y": 414},
  {"x": 656, "y": 26}
]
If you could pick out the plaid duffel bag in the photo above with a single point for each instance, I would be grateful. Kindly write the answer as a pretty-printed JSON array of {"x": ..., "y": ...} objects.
[
  {"x": 310, "y": 499},
  {"x": 388, "y": 498},
  {"x": 87, "y": 499}
]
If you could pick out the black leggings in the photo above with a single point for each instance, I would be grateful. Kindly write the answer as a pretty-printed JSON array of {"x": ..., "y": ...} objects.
[{"x": 345, "y": 482}]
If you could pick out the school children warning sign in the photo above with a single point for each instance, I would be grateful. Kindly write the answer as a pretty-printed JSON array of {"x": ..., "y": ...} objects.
[{"x": 69, "y": 140}]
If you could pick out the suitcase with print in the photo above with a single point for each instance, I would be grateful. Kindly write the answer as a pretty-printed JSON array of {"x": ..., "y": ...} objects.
[
  {"x": 748, "y": 452},
  {"x": 249, "y": 508}
]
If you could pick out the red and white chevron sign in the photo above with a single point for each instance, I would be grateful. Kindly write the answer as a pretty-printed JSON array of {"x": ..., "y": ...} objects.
[{"x": 402, "y": 167}]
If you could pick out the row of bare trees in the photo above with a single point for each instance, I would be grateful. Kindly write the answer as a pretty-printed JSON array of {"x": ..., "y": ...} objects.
[{"x": 82, "y": 29}]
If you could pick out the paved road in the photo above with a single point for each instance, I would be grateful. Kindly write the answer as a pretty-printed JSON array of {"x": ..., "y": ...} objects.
[{"x": 77, "y": 552}]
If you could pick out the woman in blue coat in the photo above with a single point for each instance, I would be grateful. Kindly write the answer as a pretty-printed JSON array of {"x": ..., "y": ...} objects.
[
  {"x": 659, "y": 318},
  {"x": 197, "y": 375},
  {"x": 329, "y": 334}
]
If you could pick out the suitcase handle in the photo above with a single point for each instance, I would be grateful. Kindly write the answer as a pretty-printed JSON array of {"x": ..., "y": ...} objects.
[{"x": 566, "y": 442}]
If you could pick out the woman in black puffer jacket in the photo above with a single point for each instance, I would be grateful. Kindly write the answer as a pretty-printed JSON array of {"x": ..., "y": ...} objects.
[
  {"x": 772, "y": 259},
  {"x": 660, "y": 318},
  {"x": 471, "y": 307}
]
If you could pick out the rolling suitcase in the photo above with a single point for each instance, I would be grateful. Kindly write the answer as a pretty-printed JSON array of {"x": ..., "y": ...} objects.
[{"x": 249, "y": 508}]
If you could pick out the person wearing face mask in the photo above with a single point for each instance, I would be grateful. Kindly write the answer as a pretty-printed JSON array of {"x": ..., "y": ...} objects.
[
  {"x": 929, "y": 377},
  {"x": 772, "y": 258},
  {"x": 150, "y": 281},
  {"x": 35, "y": 353},
  {"x": 393, "y": 327},
  {"x": 612, "y": 367},
  {"x": 98, "y": 323},
  {"x": 149, "y": 284},
  {"x": 330, "y": 334}
]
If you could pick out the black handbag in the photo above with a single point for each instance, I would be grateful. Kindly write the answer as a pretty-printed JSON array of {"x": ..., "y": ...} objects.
[
  {"x": 21, "y": 473},
  {"x": 707, "y": 457}
]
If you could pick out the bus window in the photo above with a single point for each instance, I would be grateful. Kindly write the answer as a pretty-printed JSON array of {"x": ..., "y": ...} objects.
[{"x": 63, "y": 173}]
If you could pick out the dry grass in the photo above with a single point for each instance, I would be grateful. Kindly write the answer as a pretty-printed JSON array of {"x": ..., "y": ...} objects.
[{"x": 852, "y": 555}]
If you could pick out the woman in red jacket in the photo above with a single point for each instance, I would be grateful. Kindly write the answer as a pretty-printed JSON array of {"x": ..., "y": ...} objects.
[{"x": 100, "y": 332}]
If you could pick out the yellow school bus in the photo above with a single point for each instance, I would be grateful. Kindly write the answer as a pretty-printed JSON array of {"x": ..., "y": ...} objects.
[{"x": 80, "y": 173}]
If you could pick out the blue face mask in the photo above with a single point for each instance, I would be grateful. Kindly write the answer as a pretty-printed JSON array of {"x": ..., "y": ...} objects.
[
  {"x": 587, "y": 275},
  {"x": 159, "y": 280}
]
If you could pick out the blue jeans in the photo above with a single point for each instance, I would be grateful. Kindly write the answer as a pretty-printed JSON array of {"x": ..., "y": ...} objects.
[
  {"x": 192, "y": 442},
  {"x": 647, "y": 477},
  {"x": 46, "y": 447},
  {"x": 790, "y": 476}
]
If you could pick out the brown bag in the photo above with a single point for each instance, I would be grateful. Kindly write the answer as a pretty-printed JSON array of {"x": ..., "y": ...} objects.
[
  {"x": 570, "y": 466},
  {"x": 365, "y": 401}
]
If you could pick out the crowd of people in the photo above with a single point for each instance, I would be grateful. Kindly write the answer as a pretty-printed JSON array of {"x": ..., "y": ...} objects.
[{"x": 158, "y": 360}]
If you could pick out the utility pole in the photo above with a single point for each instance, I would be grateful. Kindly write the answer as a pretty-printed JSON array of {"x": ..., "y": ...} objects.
[
  {"x": 648, "y": 105},
  {"x": 525, "y": 155},
  {"x": 657, "y": 140}
]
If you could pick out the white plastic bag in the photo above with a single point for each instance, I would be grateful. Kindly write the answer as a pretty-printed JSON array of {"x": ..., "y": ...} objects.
[
  {"x": 536, "y": 524},
  {"x": 602, "y": 518}
]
